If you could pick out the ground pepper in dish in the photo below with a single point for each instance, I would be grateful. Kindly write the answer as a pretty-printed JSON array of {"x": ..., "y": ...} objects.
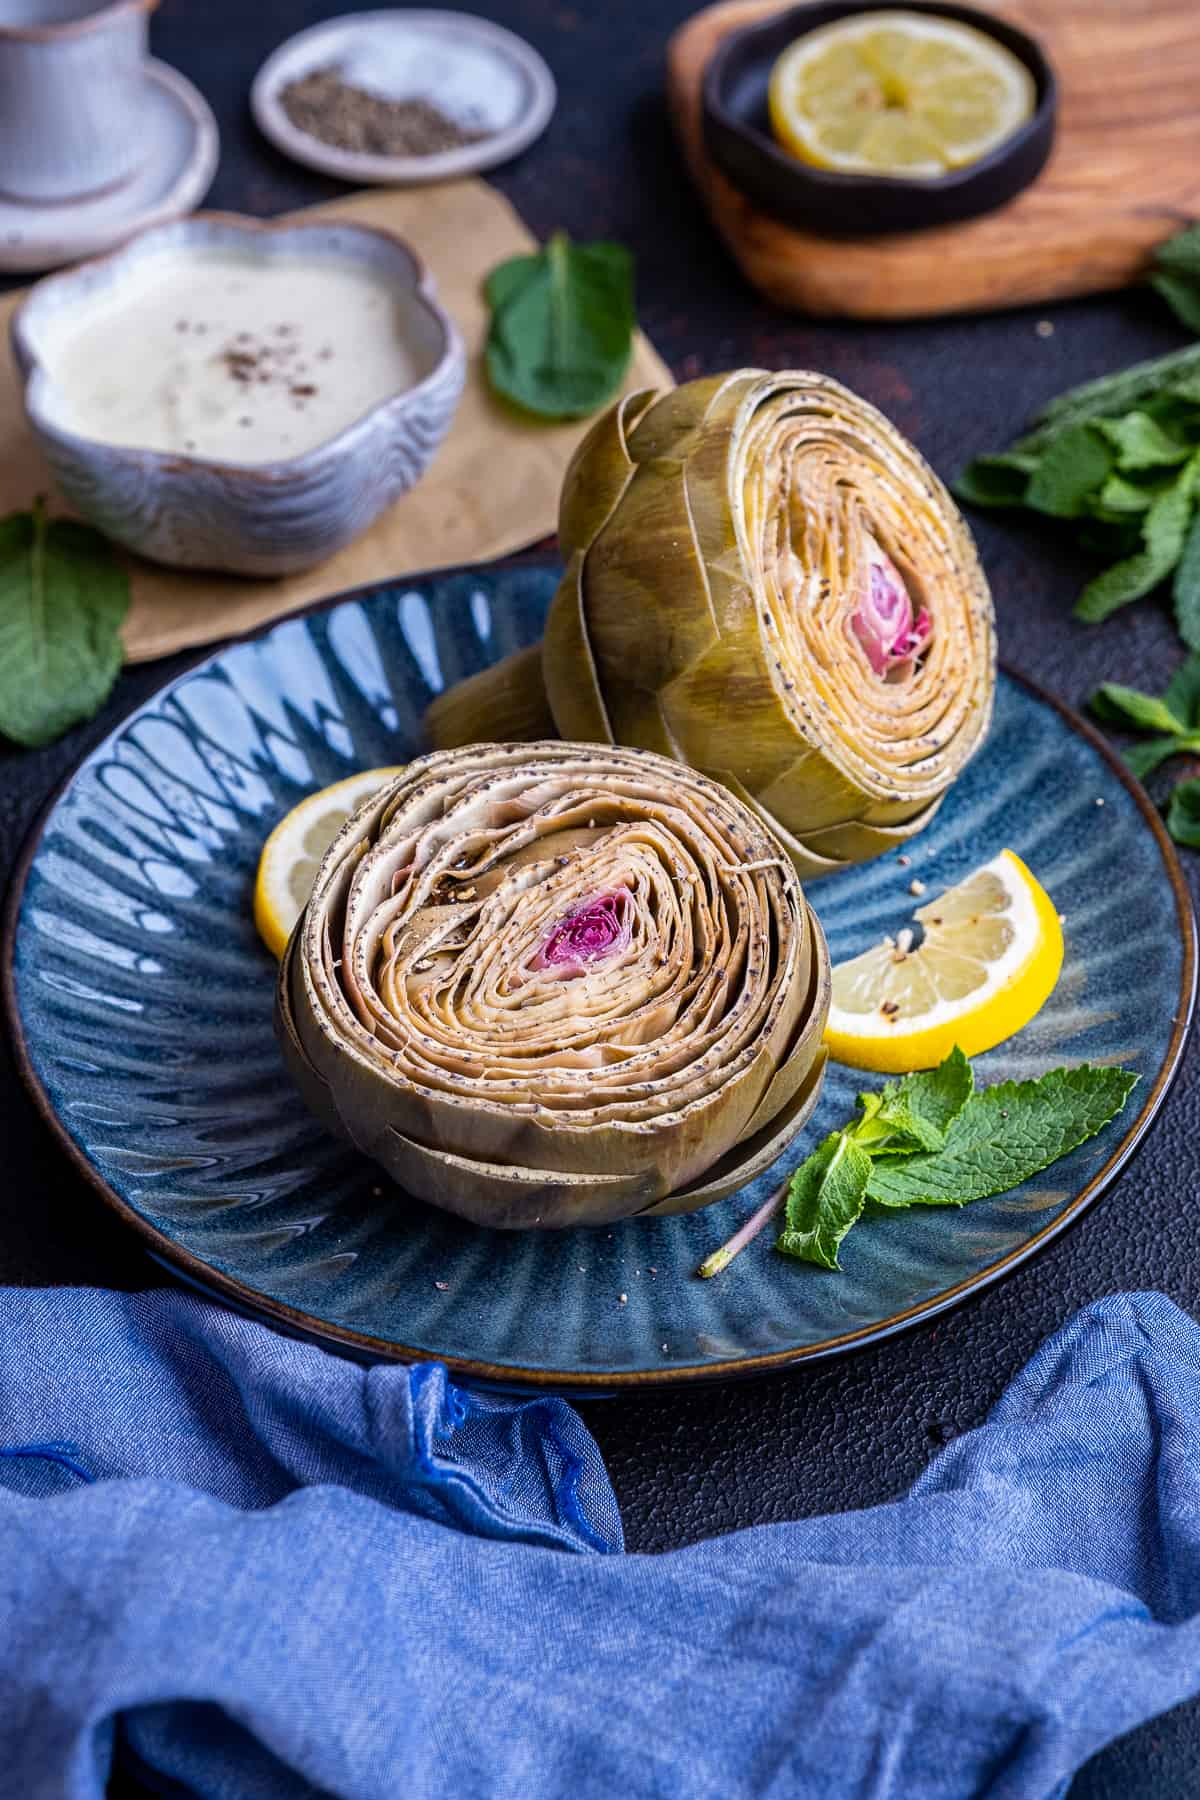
[{"x": 352, "y": 118}]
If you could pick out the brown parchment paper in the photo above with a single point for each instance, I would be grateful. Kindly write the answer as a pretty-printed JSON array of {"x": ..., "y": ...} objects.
[{"x": 492, "y": 488}]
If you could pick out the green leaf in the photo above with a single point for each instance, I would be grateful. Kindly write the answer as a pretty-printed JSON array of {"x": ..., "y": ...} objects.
[
  {"x": 1164, "y": 532},
  {"x": 562, "y": 325},
  {"x": 1003, "y": 1136},
  {"x": 915, "y": 1112},
  {"x": 1181, "y": 253},
  {"x": 1186, "y": 589},
  {"x": 508, "y": 278},
  {"x": 1176, "y": 276},
  {"x": 1183, "y": 813},
  {"x": 825, "y": 1198},
  {"x": 63, "y": 600},
  {"x": 1182, "y": 295},
  {"x": 1130, "y": 707},
  {"x": 1183, "y": 387},
  {"x": 1120, "y": 499},
  {"x": 1139, "y": 442},
  {"x": 1111, "y": 395},
  {"x": 1183, "y": 691},
  {"x": 996, "y": 480},
  {"x": 1075, "y": 465},
  {"x": 1143, "y": 759}
]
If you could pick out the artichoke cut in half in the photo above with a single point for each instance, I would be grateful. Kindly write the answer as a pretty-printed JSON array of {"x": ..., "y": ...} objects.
[
  {"x": 557, "y": 984},
  {"x": 765, "y": 581}
]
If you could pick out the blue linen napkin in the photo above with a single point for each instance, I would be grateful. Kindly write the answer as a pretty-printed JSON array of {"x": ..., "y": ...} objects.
[{"x": 255, "y": 1569}]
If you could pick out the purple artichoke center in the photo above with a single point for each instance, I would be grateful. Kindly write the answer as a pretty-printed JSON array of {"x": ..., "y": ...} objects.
[
  {"x": 885, "y": 625},
  {"x": 598, "y": 928}
]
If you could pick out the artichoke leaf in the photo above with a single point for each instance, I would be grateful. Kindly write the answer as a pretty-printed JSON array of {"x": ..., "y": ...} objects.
[
  {"x": 598, "y": 472},
  {"x": 576, "y": 702},
  {"x": 507, "y": 701}
]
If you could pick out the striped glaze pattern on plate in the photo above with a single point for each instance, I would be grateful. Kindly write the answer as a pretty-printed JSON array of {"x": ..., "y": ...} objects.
[{"x": 141, "y": 999}]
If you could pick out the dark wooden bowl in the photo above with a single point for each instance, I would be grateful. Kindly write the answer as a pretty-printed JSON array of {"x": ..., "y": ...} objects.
[{"x": 738, "y": 137}]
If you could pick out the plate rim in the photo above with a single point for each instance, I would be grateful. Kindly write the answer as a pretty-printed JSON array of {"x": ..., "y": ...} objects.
[
  {"x": 410, "y": 171},
  {"x": 296, "y": 1322}
]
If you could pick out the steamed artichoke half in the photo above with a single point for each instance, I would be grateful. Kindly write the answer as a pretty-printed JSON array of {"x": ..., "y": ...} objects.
[
  {"x": 764, "y": 580},
  {"x": 557, "y": 984}
]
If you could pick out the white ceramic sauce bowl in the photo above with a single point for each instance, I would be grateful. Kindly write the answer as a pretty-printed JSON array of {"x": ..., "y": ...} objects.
[{"x": 261, "y": 518}]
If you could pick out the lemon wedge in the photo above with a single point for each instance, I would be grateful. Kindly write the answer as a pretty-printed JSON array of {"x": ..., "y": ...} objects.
[
  {"x": 897, "y": 93},
  {"x": 988, "y": 960},
  {"x": 292, "y": 854}
]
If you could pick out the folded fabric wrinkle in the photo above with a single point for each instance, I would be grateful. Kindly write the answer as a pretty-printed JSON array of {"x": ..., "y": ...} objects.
[{"x": 249, "y": 1567}]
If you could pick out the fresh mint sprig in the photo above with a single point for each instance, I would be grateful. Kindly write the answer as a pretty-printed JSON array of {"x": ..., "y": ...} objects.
[
  {"x": 1120, "y": 458},
  {"x": 934, "y": 1139}
]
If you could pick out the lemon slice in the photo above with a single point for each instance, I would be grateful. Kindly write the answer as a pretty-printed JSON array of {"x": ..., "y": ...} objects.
[
  {"x": 897, "y": 93},
  {"x": 292, "y": 854},
  {"x": 988, "y": 960}
]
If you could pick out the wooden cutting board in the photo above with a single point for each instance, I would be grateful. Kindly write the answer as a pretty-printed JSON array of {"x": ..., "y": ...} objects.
[{"x": 1124, "y": 174}]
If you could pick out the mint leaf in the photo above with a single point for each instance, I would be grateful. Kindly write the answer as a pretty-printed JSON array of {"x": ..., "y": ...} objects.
[
  {"x": 1120, "y": 499},
  {"x": 63, "y": 599},
  {"x": 1186, "y": 590},
  {"x": 1073, "y": 467},
  {"x": 996, "y": 480},
  {"x": 1177, "y": 714},
  {"x": 1182, "y": 296},
  {"x": 1130, "y": 707},
  {"x": 1163, "y": 534},
  {"x": 825, "y": 1198},
  {"x": 1003, "y": 1136},
  {"x": 562, "y": 325},
  {"x": 1139, "y": 442},
  {"x": 1183, "y": 813},
  {"x": 1142, "y": 759},
  {"x": 915, "y": 1112},
  {"x": 507, "y": 279},
  {"x": 1176, "y": 276},
  {"x": 1183, "y": 691},
  {"x": 1181, "y": 253},
  {"x": 1111, "y": 395}
]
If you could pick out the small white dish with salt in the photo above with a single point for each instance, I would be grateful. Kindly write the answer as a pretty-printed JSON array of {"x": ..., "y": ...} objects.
[{"x": 483, "y": 90}]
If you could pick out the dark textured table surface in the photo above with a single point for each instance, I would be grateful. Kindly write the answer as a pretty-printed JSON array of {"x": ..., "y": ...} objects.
[{"x": 855, "y": 1431}]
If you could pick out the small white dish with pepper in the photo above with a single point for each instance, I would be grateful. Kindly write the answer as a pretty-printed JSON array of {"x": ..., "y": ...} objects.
[
  {"x": 403, "y": 96},
  {"x": 227, "y": 394}
]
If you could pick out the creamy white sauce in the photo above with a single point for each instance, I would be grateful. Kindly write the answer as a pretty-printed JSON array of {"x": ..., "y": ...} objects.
[{"x": 232, "y": 358}]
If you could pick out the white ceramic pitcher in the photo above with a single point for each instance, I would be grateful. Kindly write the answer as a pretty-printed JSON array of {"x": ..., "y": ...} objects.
[{"x": 72, "y": 82}]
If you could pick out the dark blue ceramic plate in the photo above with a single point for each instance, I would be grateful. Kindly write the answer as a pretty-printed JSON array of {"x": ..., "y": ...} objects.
[{"x": 141, "y": 1000}]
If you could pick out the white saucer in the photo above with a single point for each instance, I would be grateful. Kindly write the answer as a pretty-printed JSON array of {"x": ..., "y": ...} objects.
[
  {"x": 181, "y": 145},
  {"x": 477, "y": 72}
]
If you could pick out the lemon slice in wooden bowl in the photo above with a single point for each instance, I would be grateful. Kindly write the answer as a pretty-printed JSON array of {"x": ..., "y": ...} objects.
[
  {"x": 292, "y": 854},
  {"x": 987, "y": 961},
  {"x": 897, "y": 93}
]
